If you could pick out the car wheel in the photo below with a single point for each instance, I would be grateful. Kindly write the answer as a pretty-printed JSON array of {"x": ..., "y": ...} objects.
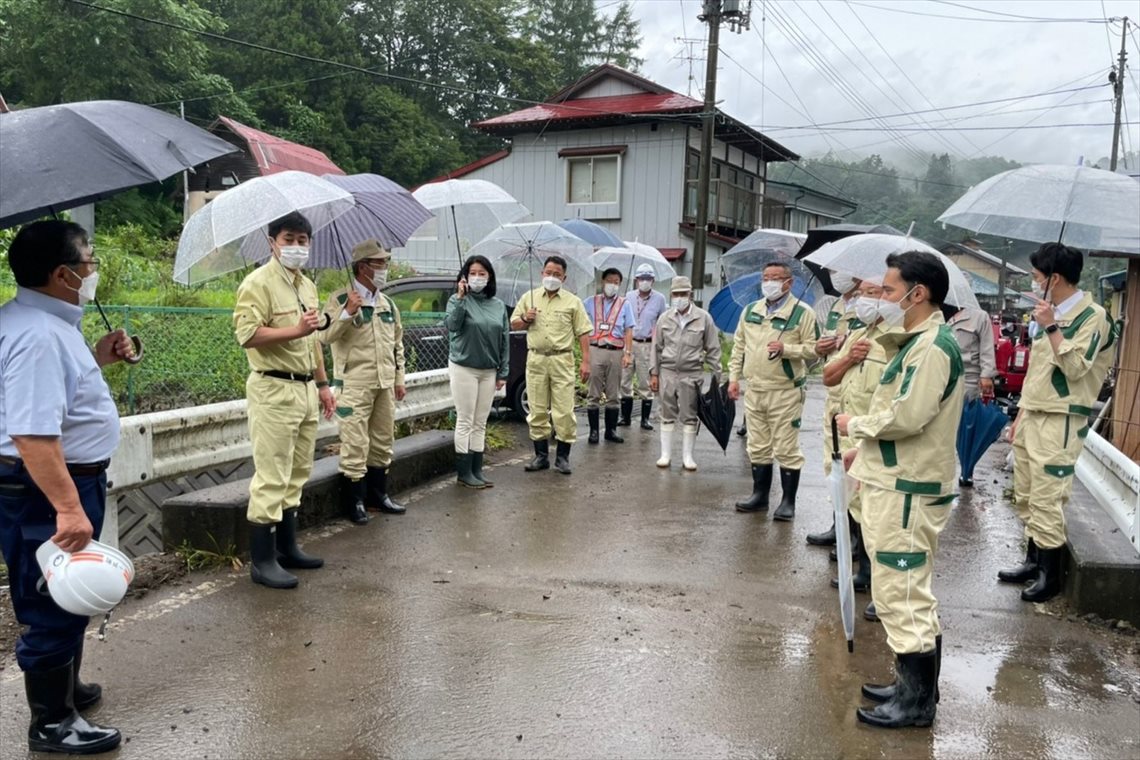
[{"x": 519, "y": 403}]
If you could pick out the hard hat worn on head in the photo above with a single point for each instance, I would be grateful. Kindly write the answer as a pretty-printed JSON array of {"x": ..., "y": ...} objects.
[
  {"x": 88, "y": 582},
  {"x": 645, "y": 271}
]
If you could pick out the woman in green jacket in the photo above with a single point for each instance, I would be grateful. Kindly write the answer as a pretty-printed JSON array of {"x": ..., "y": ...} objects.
[{"x": 479, "y": 333}]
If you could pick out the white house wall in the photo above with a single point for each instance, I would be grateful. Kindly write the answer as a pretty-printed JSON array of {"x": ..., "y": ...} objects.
[{"x": 608, "y": 87}]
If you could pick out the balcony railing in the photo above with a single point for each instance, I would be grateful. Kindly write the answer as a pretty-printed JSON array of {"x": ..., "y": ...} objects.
[{"x": 730, "y": 206}]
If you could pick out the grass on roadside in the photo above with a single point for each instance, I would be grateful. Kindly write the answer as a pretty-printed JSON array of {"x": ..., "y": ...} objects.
[{"x": 204, "y": 559}]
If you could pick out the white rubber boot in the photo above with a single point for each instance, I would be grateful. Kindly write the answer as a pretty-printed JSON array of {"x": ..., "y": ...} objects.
[
  {"x": 688, "y": 438},
  {"x": 666, "y": 444}
]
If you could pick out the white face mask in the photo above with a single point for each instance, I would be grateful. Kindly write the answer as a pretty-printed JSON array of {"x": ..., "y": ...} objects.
[
  {"x": 867, "y": 309},
  {"x": 1040, "y": 290},
  {"x": 552, "y": 283},
  {"x": 87, "y": 286},
  {"x": 476, "y": 283},
  {"x": 772, "y": 290},
  {"x": 379, "y": 278},
  {"x": 680, "y": 303},
  {"x": 610, "y": 290},
  {"x": 294, "y": 256},
  {"x": 892, "y": 313},
  {"x": 843, "y": 283},
  {"x": 645, "y": 285}
]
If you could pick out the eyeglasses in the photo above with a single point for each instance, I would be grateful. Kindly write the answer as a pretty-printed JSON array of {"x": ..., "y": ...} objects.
[
  {"x": 93, "y": 263},
  {"x": 375, "y": 263}
]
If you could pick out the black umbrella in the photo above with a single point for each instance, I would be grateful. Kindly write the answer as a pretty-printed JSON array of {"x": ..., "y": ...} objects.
[
  {"x": 821, "y": 236},
  {"x": 59, "y": 157},
  {"x": 716, "y": 410}
]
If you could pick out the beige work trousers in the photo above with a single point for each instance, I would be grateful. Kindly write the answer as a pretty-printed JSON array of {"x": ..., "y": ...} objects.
[
  {"x": 605, "y": 377},
  {"x": 901, "y": 534},
  {"x": 282, "y": 417},
  {"x": 366, "y": 418},
  {"x": 550, "y": 385},
  {"x": 773, "y": 419},
  {"x": 473, "y": 391},
  {"x": 1045, "y": 452},
  {"x": 638, "y": 371},
  {"x": 678, "y": 392}
]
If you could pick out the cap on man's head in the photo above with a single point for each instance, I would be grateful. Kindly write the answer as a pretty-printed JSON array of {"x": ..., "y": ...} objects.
[
  {"x": 369, "y": 249},
  {"x": 681, "y": 284},
  {"x": 644, "y": 272}
]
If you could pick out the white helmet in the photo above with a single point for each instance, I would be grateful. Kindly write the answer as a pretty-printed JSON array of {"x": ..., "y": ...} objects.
[
  {"x": 645, "y": 270},
  {"x": 88, "y": 582}
]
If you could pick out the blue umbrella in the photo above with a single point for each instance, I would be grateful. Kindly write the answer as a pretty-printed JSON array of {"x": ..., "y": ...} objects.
[
  {"x": 594, "y": 234},
  {"x": 980, "y": 426},
  {"x": 729, "y": 302}
]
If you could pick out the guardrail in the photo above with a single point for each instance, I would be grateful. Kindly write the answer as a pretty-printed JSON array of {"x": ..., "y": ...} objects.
[{"x": 1114, "y": 480}]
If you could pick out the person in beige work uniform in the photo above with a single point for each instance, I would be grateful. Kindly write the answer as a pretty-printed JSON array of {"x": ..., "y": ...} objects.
[
  {"x": 770, "y": 350},
  {"x": 552, "y": 318},
  {"x": 684, "y": 342},
  {"x": 367, "y": 341},
  {"x": 274, "y": 321}
]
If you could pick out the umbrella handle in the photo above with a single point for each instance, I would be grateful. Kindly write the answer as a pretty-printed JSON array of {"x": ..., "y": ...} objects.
[
  {"x": 137, "y": 354},
  {"x": 780, "y": 335},
  {"x": 835, "y": 455}
]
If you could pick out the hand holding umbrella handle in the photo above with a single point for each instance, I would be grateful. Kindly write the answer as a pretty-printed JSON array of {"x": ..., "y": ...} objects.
[
  {"x": 327, "y": 323},
  {"x": 136, "y": 354}
]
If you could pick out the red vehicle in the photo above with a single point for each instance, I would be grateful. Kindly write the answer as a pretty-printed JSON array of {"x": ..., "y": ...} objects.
[{"x": 1011, "y": 352}]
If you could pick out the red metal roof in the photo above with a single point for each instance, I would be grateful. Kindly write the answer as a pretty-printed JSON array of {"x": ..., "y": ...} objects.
[
  {"x": 672, "y": 254},
  {"x": 478, "y": 163},
  {"x": 274, "y": 154},
  {"x": 595, "y": 108}
]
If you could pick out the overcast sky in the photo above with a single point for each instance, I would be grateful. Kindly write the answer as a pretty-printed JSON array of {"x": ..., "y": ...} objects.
[{"x": 900, "y": 62}]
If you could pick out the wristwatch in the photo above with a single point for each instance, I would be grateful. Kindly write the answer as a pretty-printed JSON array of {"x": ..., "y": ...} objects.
[{"x": 1052, "y": 329}]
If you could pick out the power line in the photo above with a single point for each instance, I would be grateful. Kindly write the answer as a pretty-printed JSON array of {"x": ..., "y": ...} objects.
[
  {"x": 948, "y": 129},
  {"x": 1021, "y": 17},
  {"x": 226, "y": 93},
  {"x": 1025, "y": 20}
]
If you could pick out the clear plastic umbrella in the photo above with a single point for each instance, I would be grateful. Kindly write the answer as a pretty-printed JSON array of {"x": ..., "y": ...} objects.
[
  {"x": 1080, "y": 206},
  {"x": 751, "y": 253},
  {"x": 230, "y": 232},
  {"x": 518, "y": 251},
  {"x": 837, "y": 488},
  {"x": 466, "y": 210},
  {"x": 629, "y": 257},
  {"x": 865, "y": 258}
]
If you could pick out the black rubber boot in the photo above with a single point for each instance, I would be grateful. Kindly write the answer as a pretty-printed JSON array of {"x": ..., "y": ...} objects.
[
  {"x": 1048, "y": 581},
  {"x": 913, "y": 702},
  {"x": 881, "y": 693},
  {"x": 355, "y": 494},
  {"x": 626, "y": 410},
  {"x": 861, "y": 580},
  {"x": 592, "y": 416},
  {"x": 263, "y": 565},
  {"x": 742, "y": 430},
  {"x": 790, "y": 483},
  {"x": 56, "y": 725},
  {"x": 871, "y": 614},
  {"x": 611, "y": 426},
  {"x": 463, "y": 469},
  {"x": 761, "y": 485},
  {"x": 1024, "y": 572},
  {"x": 827, "y": 538},
  {"x": 288, "y": 553},
  {"x": 646, "y": 411},
  {"x": 541, "y": 459},
  {"x": 378, "y": 498},
  {"x": 562, "y": 458},
  {"x": 477, "y": 468},
  {"x": 86, "y": 695}
]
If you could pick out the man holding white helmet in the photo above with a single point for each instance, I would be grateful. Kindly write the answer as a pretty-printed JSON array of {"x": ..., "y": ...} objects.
[
  {"x": 647, "y": 305},
  {"x": 58, "y": 429}
]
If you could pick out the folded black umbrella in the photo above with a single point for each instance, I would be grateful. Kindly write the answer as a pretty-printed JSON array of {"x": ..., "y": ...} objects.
[{"x": 716, "y": 411}]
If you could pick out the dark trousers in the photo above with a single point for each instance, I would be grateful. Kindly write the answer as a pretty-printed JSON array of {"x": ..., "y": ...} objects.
[{"x": 27, "y": 519}]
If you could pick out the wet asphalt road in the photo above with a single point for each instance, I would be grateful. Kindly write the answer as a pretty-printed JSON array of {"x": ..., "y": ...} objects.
[{"x": 620, "y": 612}]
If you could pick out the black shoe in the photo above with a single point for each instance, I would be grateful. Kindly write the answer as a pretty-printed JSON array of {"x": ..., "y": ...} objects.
[
  {"x": 611, "y": 427},
  {"x": 790, "y": 483},
  {"x": 883, "y": 692},
  {"x": 965, "y": 482},
  {"x": 1047, "y": 584},
  {"x": 761, "y": 485},
  {"x": 288, "y": 553},
  {"x": 912, "y": 703},
  {"x": 477, "y": 468},
  {"x": 646, "y": 410},
  {"x": 263, "y": 565},
  {"x": 742, "y": 431},
  {"x": 562, "y": 458},
  {"x": 827, "y": 538},
  {"x": 1024, "y": 572},
  {"x": 592, "y": 416},
  {"x": 627, "y": 410},
  {"x": 86, "y": 695},
  {"x": 355, "y": 495},
  {"x": 541, "y": 459},
  {"x": 378, "y": 498},
  {"x": 465, "y": 477},
  {"x": 870, "y": 613},
  {"x": 56, "y": 726},
  {"x": 861, "y": 580}
]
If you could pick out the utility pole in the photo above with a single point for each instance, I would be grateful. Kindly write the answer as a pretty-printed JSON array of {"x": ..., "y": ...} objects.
[
  {"x": 1118, "y": 93},
  {"x": 713, "y": 13}
]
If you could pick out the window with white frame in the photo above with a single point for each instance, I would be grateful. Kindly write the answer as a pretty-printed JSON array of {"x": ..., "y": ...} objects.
[{"x": 593, "y": 179}]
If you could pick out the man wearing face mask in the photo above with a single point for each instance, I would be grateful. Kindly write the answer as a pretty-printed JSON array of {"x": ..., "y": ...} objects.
[
  {"x": 275, "y": 318},
  {"x": 367, "y": 341},
  {"x": 774, "y": 340},
  {"x": 905, "y": 463},
  {"x": 1070, "y": 357},
  {"x": 611, "y": 351},
  {"x": 685, "y": 341},
  {"x": 58, "y": 430},
  {"x": 552, "y": 318},
  {"x": 647, "y": 305}
]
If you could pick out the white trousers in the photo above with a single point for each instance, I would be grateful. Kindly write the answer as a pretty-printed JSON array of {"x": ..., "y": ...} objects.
[{"x": 473, "y": 391}]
